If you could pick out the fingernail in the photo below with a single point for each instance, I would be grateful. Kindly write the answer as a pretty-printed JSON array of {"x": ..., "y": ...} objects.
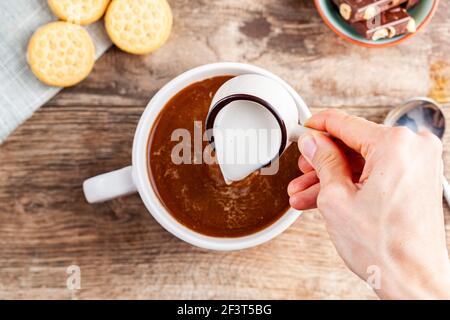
[
  {"x": 290, "y": 189},
  {"x": 308, "y": 146}
]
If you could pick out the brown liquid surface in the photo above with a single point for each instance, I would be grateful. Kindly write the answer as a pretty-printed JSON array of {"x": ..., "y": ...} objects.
[{"x": 196, "y": 194}]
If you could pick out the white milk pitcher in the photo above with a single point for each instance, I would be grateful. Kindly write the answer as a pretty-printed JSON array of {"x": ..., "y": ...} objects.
[{"x": 251, "y": 121}]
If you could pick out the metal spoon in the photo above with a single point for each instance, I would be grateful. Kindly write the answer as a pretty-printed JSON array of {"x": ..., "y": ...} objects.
[{"x": 421, "y": 114}]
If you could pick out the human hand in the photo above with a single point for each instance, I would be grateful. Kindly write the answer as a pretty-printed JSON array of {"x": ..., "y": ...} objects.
[{"x": 379, "y": 191}]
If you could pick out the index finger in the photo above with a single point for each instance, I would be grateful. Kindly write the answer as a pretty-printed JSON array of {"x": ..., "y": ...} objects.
[{"x": 357, "y": 133}]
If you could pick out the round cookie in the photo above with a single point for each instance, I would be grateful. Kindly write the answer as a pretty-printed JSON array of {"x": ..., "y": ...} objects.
[
  {"x": 138, "y": 26},
  {"x": 61, "y": 54},
  {"x": 78, "y": 11}
]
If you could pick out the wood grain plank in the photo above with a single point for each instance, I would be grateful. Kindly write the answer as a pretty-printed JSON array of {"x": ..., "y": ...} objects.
[{"x": 86, "y": 130}]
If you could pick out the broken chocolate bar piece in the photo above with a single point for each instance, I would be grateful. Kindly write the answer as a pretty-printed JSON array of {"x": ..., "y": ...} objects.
[
  {"x": 388, "y": 24},
  {"x": 359, "y": 10}
]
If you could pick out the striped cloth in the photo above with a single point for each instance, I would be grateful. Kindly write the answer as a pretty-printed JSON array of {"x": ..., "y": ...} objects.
[{"x": 21, "y": 93}]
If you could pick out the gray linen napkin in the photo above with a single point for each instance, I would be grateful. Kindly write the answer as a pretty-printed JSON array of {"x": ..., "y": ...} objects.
[{"x": 21, "y": 93}]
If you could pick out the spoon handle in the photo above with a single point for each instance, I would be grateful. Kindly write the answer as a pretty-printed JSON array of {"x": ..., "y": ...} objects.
[{"x": 446, "y": 188}]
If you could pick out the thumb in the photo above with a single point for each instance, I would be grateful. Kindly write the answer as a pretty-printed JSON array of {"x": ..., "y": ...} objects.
[{"x": 326, "y": 158}]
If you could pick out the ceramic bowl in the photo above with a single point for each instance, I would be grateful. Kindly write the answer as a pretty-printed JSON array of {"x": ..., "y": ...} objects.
[{"x": 422, "y": 13}]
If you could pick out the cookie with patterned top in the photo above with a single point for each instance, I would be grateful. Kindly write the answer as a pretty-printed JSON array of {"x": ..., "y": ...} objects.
[
  {"x": 61, "y": 54},
  {"x": 79, "y": 11},
  {"x": 138, "y": 26}
]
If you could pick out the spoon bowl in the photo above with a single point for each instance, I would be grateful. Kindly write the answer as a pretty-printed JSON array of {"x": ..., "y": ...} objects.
[{"x": 420, "y": 114}]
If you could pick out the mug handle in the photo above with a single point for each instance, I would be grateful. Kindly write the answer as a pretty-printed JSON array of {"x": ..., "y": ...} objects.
[
  {"x": 298, "y": 130},
  {"x": 109, "y": 185}
]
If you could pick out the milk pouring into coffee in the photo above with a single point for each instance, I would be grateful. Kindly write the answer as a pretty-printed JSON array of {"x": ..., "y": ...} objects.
[{"x": 251, "y": 121}]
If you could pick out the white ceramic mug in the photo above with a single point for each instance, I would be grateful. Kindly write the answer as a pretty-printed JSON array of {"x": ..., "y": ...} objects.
[{"x": 136, "y": 177}]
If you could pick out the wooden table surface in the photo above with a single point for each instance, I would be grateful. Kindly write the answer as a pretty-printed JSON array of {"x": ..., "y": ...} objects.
[{"x": 46, "y": 225}]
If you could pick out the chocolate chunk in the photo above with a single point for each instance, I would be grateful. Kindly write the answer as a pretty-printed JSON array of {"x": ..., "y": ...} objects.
[
  {"x": 360, "y": 10},
  {"x": 388, "y": 24}
]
